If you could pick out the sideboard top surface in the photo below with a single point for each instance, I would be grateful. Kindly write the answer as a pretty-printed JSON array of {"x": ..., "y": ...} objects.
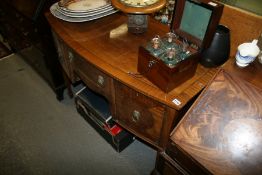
[
  {"x": 222, "y": 129},
  {"x": 108, "y": 45}
]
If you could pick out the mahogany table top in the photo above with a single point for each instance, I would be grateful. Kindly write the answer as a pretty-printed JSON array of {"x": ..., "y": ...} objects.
[{"x": 223, "y": 128}]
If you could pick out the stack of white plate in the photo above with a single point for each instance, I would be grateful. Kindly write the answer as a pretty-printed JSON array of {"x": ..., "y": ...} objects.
[{"x": 82, "y": 10}]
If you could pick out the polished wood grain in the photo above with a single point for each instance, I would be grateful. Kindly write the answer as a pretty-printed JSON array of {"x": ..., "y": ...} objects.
[
  {"x": 252, "y": 73},
  {"x": 106, "y": 44},
  {"x": 139, "y": 113},
  {"x": 222, "y": 130}
]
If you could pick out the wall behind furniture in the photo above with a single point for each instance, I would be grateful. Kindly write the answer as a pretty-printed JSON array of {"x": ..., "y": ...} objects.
[
  {"x": 244, "y": 26},
  {"x": 254, "y": 6}
]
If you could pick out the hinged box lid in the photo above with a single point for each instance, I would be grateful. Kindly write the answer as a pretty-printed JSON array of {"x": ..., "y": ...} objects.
[{"x": 196, "y": 21}]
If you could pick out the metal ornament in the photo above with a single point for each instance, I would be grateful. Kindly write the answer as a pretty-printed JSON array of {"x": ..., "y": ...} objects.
[{"x": 137, "y": 23}]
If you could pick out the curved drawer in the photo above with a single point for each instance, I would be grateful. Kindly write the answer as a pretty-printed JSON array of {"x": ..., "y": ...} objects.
[
  {"x": 139, "y": 113},
  {"x": 94, "y": 78}
]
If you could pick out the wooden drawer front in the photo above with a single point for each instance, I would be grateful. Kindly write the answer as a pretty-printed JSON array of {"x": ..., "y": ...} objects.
[
  {"x": 69, "y": 57},
  {"x": 94, "y": 78},
  {"x": 60, "y": 51},
  {"x": 65, "y": 56},
  {"x": 139, "y": 113}
]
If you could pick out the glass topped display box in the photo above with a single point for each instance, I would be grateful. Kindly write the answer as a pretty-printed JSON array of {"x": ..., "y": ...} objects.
[{"x": 167, "y": 61}]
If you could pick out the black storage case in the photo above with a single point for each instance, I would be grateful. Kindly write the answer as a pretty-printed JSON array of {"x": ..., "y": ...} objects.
[{"x": 95, "y": 110}]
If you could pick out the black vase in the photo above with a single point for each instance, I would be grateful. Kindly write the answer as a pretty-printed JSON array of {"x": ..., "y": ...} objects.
[{"x": 218, "y": 52}]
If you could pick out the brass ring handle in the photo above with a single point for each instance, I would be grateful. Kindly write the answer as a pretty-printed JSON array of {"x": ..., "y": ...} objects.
[
  {"x": 60, "y": 55},
  {"x": 100, "y": 80},
  {"x": 136, "y": 116},
  {"x": 70, "y": 56}
]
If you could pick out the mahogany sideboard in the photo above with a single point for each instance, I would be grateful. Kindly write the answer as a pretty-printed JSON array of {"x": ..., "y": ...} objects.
[{"x": 103, "y": 54}]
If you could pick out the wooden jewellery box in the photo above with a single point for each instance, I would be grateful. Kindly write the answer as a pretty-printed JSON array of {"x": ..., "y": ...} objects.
[{"x": 168, "y": 61}]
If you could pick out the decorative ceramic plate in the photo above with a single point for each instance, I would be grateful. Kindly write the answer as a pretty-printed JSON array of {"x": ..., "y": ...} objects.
[
  {"x": 82, "y": 6},
  {"x": 86, "y": 11},
  {"x": 54, "y": 11},
  {"x": 84, "y": 14}
]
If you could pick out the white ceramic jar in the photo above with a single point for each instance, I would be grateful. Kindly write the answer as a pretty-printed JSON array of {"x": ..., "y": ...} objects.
[{"x": 247, "y": 53}]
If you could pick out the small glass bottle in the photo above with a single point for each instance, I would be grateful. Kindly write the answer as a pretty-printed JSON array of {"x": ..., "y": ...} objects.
[
  {"x": 156, "y": 42},
  {"x": 171, "y": 53}
]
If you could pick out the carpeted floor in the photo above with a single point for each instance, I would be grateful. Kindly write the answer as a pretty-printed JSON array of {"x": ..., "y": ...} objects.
[{"x": 41, "y": 136}]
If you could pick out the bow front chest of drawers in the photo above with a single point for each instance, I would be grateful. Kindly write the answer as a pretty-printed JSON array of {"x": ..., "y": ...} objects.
[{"x": 104, "y": 55}]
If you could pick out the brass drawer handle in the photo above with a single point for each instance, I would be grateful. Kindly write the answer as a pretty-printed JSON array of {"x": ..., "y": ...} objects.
[
  {"x": 100, "y": 80},
  {"x": 70, "y": 56},
  {"x": 136, "y": 116},
  {"x": 59, "y": 54}
]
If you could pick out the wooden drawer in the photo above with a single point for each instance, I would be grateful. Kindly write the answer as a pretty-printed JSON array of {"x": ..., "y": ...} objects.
[
  {"x": 60, "y": 51},
  {"x": 69, "y": 57},
  {"x": 94, "y": 78},
  {"x": 139, "y": 114},
  {"x": 66, "y": 57}
]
